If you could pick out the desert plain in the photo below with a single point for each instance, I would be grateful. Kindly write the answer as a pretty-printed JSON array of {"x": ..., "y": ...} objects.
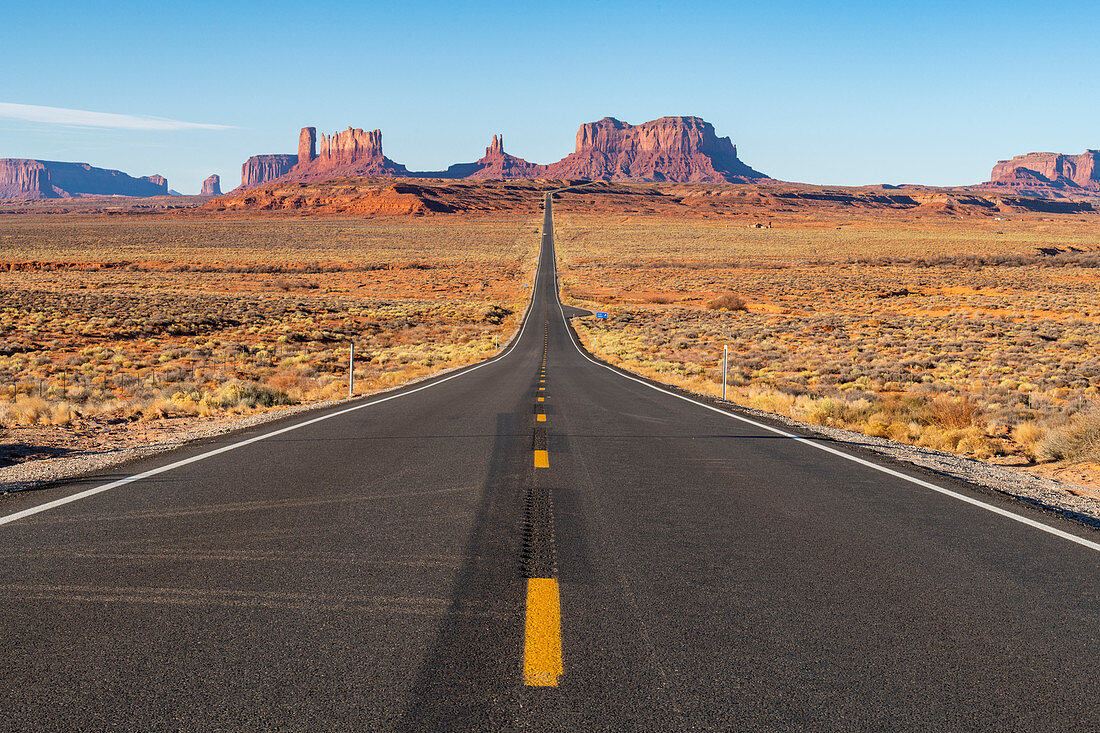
[{"x": 956, "y": 321}]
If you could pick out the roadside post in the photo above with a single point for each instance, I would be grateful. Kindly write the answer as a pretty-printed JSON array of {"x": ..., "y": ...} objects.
[
  {"x": 725, "y": 369},
  {"x": 351, "y": 371}
]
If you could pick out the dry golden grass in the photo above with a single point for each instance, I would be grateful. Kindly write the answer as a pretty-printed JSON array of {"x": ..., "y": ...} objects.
[
  {"x": 111, "y": 327},
  {"x": 978, "y": 336}
]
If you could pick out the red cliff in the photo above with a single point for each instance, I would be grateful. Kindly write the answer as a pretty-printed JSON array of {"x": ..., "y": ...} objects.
[
  {"x": 21, "y": 178},
  {"x": 25, "y": 179},
  {"x": 351, "y": 153},
  {"x": 260, "y": 169},
  {"x": 1036, "y": 171},
  {"x": 675, "y": 149}
]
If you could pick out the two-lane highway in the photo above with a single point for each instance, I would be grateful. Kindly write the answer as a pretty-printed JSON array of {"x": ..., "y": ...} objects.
[{"x": 538, "y": 542}]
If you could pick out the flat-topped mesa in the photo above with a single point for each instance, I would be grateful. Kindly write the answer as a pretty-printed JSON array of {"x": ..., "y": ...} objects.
[
  {"x": 1054, "y": 170},
  {"x": 23, "y": 178},
  {"x": 260, "y": 169},
  {"x": 670, "y": 135},
  {"x": 680, "y": 149}
]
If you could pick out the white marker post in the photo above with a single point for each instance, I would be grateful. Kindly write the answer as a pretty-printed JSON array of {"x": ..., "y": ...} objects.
[
  {"x": 351, "y": 371},
  {"x": 725, "y": 369}
]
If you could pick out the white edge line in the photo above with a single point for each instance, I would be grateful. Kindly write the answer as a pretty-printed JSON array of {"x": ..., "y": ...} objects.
[
  {"x": 8, "y": 519},
  {"x": 841, "y": 454}
]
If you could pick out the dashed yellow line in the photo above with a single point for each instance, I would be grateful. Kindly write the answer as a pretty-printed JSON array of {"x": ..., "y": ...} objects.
[
  {"x": 542, "y": 459},
  {"x": 540, "y": 417},
  {"x": 542, "y": 641},
  {"x": 542, "y": 399}
]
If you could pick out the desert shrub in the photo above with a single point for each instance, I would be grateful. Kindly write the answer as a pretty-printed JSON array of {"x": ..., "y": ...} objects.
[
  {"x": 968, "y": 440},
  {"x": 156, "y": 409},
  {"x": 1028, "y": 435},
  {"x": 258, "y": 395},
  {"x": 62, "y": 413},
  {"x": 954, "y": 413},
  {"x": 1078, "y": 439},
  {"x": 26, "y": 411},
  {"x": 729, "y": 301}
]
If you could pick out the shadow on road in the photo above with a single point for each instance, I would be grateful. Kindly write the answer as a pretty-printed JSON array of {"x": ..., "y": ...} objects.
[{"x": 475, "y": 660}]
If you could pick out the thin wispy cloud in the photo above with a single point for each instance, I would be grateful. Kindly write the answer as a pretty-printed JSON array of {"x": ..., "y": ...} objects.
[{"x": 84, "y": 118}]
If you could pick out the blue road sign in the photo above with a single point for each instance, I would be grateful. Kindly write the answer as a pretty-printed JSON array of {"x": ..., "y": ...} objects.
[{"x": 601, "y": 315}]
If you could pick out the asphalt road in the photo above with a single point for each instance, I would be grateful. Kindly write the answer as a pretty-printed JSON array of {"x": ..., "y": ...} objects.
[{"x": 442, "y": 559}]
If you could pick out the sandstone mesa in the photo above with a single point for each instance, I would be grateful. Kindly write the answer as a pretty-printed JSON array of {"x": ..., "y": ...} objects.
[
  {"x": 667, "y": 150},
  {"x": 1049, "y": 174},
  {"x": 672, "y": 149},
  {"x": 25, "y": 179}
]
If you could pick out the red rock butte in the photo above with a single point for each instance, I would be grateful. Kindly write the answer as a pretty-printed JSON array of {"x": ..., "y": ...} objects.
[
  {"x": 212, "y": 186},
  {"x": 672, "y": 149}
]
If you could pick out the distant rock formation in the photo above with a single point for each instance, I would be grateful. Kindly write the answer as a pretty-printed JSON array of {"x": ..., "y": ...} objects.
[
  {"x": 351, "y": 153},
  {"x": 1035, "y": 172},
  {"x": 212, "y": 186},
  {"x": 307, "y": 144},
  {"x": 497, "y": 165},
  {"x": 25, "y": 179},
  {"x": 260, "y": 169},
  {"x": 673, "y": 149}
]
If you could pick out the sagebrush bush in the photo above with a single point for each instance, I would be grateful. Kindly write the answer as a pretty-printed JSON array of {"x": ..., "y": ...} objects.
[
  {"x": 26, "y": 411},
  {"x": 729, "y": 301},
  {"x": 955, "y": 413},
  {"x": 1078, "y": 439},
  {"x": 256, "y": 395},
  {"x": 1028, "y": 435}
]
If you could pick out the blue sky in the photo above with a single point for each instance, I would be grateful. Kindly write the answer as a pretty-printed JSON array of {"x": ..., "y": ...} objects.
[{"x": 824, "y": 92}]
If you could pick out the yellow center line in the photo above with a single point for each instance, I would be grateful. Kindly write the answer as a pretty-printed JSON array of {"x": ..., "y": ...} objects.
[
  {"x": 542, "y": 459},
  {"x": 542, "y": 641},
  {"x": 542, "y": 399},
  {"x": 540, "y": 417}
]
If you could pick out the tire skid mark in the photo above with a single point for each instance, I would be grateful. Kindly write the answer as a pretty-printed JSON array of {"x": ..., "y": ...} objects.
[
  {"x": 228, "y": 598},
  {"x": 242, "y": 506},
  {"x": 240, "y": 556}
]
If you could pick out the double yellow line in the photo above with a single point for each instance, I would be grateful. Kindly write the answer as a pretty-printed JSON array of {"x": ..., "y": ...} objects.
[{"x": 542, "y": 665}]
